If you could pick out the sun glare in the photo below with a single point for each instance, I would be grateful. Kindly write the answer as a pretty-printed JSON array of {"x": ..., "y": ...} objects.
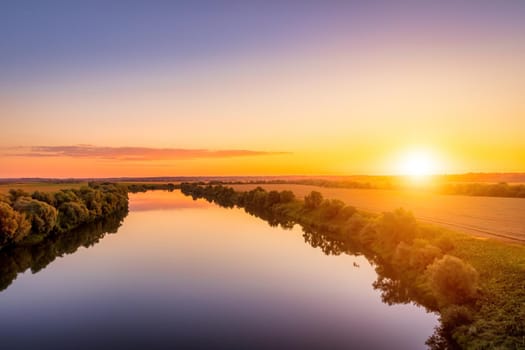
[{"x": 417, "y": 163}]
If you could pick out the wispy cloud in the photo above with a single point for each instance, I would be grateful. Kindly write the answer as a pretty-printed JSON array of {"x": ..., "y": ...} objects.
[{"x": 130, "y": 153}]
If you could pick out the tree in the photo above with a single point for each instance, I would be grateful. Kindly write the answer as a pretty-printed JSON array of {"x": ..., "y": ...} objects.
[
  {"x": 313, "y": 200},
  {"x": 416, "y": 257},
  {"x": 93, "y": 201},
  {"x": 15, "y": 194},
  {"x": 393, "y": 228},
  {"x": 330, "y": 209},
  {"x": 273, "y": 198},
  {"x": 42, "y": 216},
  {"x": 47, "y": 197},
  {"x": 452, "y": 280},
  {"x": 13, "y": 225},
  {"x": 286, "y": 196},
  {"x": 70, "y": 215},
  {"x": 347, "y": 212}
]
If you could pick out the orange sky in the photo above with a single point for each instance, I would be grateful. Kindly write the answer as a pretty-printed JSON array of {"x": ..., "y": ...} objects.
[{"x": 331, "y": 98}]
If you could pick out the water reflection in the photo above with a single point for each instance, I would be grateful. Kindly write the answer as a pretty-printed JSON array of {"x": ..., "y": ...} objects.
[
  {"x": 393, "y": 287},
  {"x": 188, "y": 277},
  {"x": 36, "y": 257},
  {"x": 162, "y": 200}
]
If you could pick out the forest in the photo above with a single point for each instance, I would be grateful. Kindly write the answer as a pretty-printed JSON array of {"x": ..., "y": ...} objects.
[{"x": 476, "y": 286}]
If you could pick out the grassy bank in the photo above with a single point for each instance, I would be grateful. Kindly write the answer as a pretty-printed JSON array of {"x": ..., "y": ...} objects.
[{"x": 477, "y": 286}]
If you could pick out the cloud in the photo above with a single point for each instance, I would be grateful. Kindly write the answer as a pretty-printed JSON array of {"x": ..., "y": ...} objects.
[{"x": 131, "y": 153}]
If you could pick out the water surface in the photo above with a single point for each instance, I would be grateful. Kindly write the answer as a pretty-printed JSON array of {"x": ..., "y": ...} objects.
[{"x": 184, "y": 273}]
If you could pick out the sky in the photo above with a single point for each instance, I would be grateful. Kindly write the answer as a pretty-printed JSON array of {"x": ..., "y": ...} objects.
[{"x": 167, "y": 88}]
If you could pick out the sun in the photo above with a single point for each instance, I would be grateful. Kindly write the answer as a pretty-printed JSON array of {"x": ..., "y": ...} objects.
[{"x": 418, "y": 163}]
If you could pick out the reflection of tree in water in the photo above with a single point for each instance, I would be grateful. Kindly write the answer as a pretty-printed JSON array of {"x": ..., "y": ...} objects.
[
  {"x": 394, "y": 287},
  {"x": 328, "y": 243},
  {"x": 19, "y": 258}
]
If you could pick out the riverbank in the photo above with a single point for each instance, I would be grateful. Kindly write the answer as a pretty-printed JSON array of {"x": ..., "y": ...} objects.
[
  {"x": 477, "y": 286},
  {"x": 499, "y": 218}
]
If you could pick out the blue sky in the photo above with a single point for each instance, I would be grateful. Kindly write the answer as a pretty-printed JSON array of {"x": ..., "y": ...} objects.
[{"x": 349, "y": 84}]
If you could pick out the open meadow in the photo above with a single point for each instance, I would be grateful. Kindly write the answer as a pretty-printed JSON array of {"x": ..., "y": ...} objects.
[{"x": 31, "y": 187}]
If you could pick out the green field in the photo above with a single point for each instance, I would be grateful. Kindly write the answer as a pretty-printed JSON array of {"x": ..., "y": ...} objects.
[{"x": 40, "y": 186}]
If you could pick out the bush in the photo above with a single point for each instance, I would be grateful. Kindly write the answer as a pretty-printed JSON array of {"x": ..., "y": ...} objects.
[
  {"x": 46, "y": 197},
  {"x": 416, "y": 257},
  {"x": 4, "y": 199},
  {"x": 456, "y": 315},
  {"x": 331, "y": 208},
  {"x": 286, "y": 196},
  {"x": 13, "y": 225},
  {"x": 15, "y": 194},
  {"x": 93, "y": 201},
  {"x": 452, "y": 281},
  {"x": 273, "y": 198},
  {"x": 42, "y": 216},
  {"x": 71, "y": 215},
  {"x": 313, "y": 200},
  {"x": 445, "y": 244},
  {"x": 355, "y": 224},
  {"x": 347, "y": 212},
  {"x": 393, "y": 228}
]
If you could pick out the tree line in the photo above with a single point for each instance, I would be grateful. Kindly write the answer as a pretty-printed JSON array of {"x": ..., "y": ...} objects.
[
  {"x": 501, "y": 189},
  {"x": 26, "y": 217},
  {"x": 144, "y": 187},
  {"x": 414, "y": 262}
]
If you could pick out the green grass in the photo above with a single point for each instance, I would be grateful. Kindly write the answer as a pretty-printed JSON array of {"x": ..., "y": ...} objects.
[{"x": 500, "y": 320}]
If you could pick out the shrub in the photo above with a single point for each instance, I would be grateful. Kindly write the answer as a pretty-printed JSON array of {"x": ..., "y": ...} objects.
[
  {"x": 331, "y": 208},
  {"x": 47, "y": 197},
  {"x": 347, "y": 212},
  {"x": 42, "y": 216},
  {"x": 313, "y": 200},
  {"x": 454, "y": 316},
  {"x": 393, "y": 228},
  {"x": 14, "y": 194},
  {"x": 452, "y": 281},
  {"x": 415, "y": 257},
  {"x": 93, "y": 201},
  {"x": 273, "y": 198},
  {"x": 445, "y": 244},
  {"x": 286, "y": 196},
  {"x": 355, "y": 224},
  {"x": 13, "y": 225},
  {"x": 70, "y": 215},
  {"x": 4, "y": 199}
]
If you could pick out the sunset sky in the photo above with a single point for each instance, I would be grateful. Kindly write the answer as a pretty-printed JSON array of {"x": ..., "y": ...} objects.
[{"x": 160, "y": 88}]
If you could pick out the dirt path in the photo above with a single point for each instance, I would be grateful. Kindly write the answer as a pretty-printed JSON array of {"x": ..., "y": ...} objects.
[{"x": 502, "y": 218}]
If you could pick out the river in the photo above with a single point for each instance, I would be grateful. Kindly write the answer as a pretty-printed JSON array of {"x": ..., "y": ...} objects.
[{"x": 180, "y": 273}]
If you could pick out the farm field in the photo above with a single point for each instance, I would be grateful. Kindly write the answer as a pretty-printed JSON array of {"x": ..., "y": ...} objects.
[
  {"x": 500, "y": 218},
  {"x": 39, "y": 186}
]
